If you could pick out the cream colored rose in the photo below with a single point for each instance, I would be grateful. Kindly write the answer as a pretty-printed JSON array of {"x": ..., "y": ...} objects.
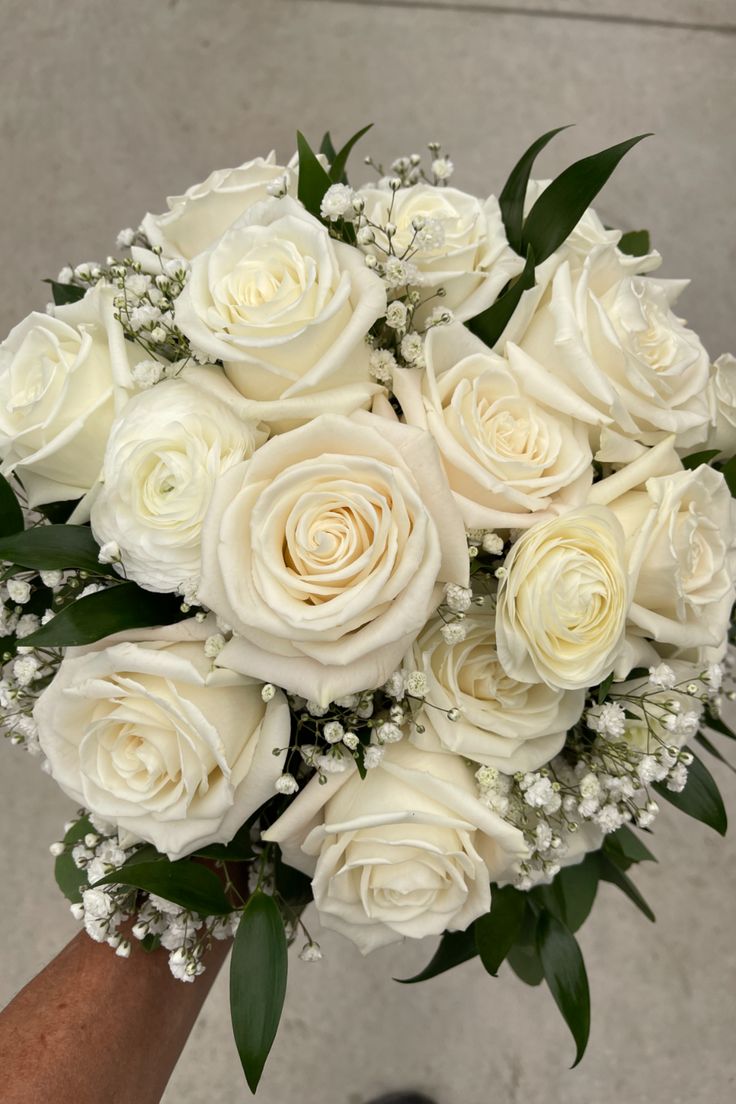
[
  {"x": 286, "y": 309},
  {"x": 195, "y": 220},
  {"x": 680, "y": 531},
  {"x": 408, "y": 851},
  {"x": 563, "y": 601},
  {"x": 612, "y": 337},
  {"x": 723, "y": 397},
  {"x": 163, "y": 456},
  {"x": 512, "y": 442},
  {"x": 63, "y": 378},
  {"x": 326, "y": 553},
  {"x": 453, "y": 239},
  {"x": 147, "y": 734},
  {"x": 512, "y": 726}
]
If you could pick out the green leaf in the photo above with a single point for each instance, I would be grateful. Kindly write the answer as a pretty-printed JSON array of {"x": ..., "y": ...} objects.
[
  {"x": 65, "y": 293},
  {"x": 257, "y": 983},
  {"x": 326, "y": 147},
  {"x": 454, "y": 949},
  {"x": 612, "y": 873},
  {"x": 239, "y": 849},
  {"x": 711, "y": 748},
  {"x": 523, "y": 958},
  {"x": 695, "y": 459},
  {"x": 54, "y": 547},
  {"x": 578, "y": 885},
  {"x": 729, "y": 474},
  {"x": 700, "y": 799},
  {"x": 337, "y": 166},
  {"x": 313, "y": 180},
  {"x": 718, "y": 725},
  {"x": 490, "y": 323},
  {"x": 604, "y": 687},
  {"x": 635, "y": 243},
  {"x": 187, "y": 884},
  {"x": 68, "y": 876},
  {"x": 625, "y": 845},
  {"x": 498, "y": 930},
  {"x": 292, "y": 885},
  {"x": 560, "y": 207},
  {"x": 125, "y": 606},
  {"x": 58, "y": 512},
  {"x": 511, "y": 199},
  {"x": 564, "y": 972},
  {"x": 11, "y": 514}
]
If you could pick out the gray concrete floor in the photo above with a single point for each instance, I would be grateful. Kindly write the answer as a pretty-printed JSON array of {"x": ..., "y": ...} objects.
[{"x": 107, "y": 107}]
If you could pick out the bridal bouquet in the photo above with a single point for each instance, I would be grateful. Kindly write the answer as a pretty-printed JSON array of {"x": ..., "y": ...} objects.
[{"x": 370, "y": 546}]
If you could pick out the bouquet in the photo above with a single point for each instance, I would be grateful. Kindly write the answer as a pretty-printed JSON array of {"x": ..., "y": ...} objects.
[{"x": 370, "y": 546}]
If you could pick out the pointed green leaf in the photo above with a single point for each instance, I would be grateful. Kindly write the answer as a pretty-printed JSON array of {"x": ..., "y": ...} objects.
[
  {"x": 58, "y": 512},
  {"x": 561, "y": 206},
  {"x": 625, "y": 845},
  {"x": 454, "y": 949},
  {"x": 11, "y": 514},
  {"x": 695, "y": 459},
  {"x": 635, "y": 243},
  {"x": 612, "y": 873},
  {"x": 337, "y": 166},
  {"x": 292, "y": 885},
  {"x": 69, "y": 877},
  {"x": 604, "y": 687},
  {"x": 700, "y": 799},
  {"x": 711, "y": 748},
  {"x": 326, "y": 148},
  {"x": 54, "y": 547},
  {"x": 511, "y": 199},
  {"x": 490, "y": 323},
  {"x": 523, "y": 958},
  {"x": 65, "y": 293},
  {"x": 313, "y": 180},
  {"x": 257, "y": 983},
  {"x": 564, "y": 972},
  {"x": 124, "y": 606},
  {"x": 187, "y": 884},
  {"x": 498, "y": 930},
  {"x": 578, "y": 886},
  {"x": 239, "y": 849}
]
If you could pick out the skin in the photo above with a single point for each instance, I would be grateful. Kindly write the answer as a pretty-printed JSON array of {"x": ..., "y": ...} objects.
[{"x": 94, "y": 1027}]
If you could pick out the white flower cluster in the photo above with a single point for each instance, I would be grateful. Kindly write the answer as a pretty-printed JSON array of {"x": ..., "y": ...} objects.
[{"x": 104, "y": 910}]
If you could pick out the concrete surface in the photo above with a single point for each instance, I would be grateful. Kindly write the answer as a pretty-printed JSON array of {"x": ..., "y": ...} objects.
[{"x": 107, "y": 107}]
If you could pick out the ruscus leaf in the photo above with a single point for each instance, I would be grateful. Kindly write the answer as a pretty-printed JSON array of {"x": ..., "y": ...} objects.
[
  {"x": 564, "y": 972},
  {"x": 313, "y": 179},
  {"x": 11, "y": 514},
  {"x": 257, "y": 983},
  {"x": 490, "y": 323},
  {"x": 695, "y": 459},
  {"x": 65, "y": 293},
  {"x": 454, "y": 949},
  {"x": 635, "y": 243},
  {"x": 340, "y": 160},
  {"x": 560, "y": 207},
  {"x": 498, "y": 930},
  {"x": 611, "y": 872},
  {"x": 625, "y": 844},
  {"x": 119, "y": 607},
  {"x": 701, "y": 798},
  {"x": 54, "y": 548},
  {"x": 187, "y": 884},
  {"x": 68, "y": 876},
  {"x": 513, "y": 195}
]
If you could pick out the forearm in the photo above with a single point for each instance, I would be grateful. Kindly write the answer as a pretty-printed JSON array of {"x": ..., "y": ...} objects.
[{"x": 94, "y": 1027}]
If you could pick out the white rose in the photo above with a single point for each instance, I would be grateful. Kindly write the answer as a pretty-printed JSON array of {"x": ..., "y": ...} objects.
[
  {"x": 147, "y": 735},
  {"x": 286, "y": 309},
  {"x": 563, "y": 601},
  {"x": 325, "y": 552},
  {"x": 680, "y": 531},
  {"x": 163, "y": 456},
  {"x": 198, "y": 218},
  {"x": 512, "y": 726},
  {"x": 63, "y": 378},
  {"x": 612, "y": 337},
  {"x": 512, "y": 443},
  {"x": 466, "y": 250},
  {"x": 408, "y": 851},
  {"x": 723, "y": 398}
]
